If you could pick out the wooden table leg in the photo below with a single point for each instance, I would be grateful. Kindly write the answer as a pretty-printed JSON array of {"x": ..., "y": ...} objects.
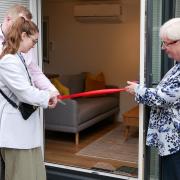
[
  {"x": 130, "y": 119},
  {"x": 77, "y": 138},
  {"x": 126, "y": 133}
]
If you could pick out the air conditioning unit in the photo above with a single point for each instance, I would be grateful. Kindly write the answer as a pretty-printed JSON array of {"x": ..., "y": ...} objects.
[{"x": 105, "y": 13}]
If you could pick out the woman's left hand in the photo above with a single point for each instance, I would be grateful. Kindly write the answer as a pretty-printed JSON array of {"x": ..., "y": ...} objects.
[
  {"x": 52, "y": 102},
  {"x": 131, "y": 87},
  {"x": 53, "y": 99}
]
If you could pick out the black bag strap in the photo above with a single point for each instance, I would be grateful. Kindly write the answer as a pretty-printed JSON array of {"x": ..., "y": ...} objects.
[
  {"x": 9, "y": 100},
  {"x": 23, "y": 61},
  {"x": 4, "y": 95}
]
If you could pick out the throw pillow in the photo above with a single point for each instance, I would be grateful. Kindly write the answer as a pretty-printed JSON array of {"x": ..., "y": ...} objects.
[
  {"x": 60, "y": 87},
  {"x": 75, "y": 82},
  {"x": 94, "y": 82}
]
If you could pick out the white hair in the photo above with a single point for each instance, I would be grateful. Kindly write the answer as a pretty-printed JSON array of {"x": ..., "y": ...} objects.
[{"x": 171, "y": 29}]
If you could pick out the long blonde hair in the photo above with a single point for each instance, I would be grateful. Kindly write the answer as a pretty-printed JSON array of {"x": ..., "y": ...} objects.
[{"x": 13, "y": 37}]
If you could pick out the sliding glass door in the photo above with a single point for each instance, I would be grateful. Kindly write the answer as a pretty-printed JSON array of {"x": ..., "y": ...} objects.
[
  {"x": 157, "y": 64},
  {"x": 153, "y": 75}
]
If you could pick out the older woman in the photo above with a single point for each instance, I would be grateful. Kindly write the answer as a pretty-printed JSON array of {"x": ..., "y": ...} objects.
[{"x": 164, "y": 100}]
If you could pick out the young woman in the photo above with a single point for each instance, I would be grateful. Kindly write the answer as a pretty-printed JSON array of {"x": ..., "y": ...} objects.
[
  {"x": 38, "y": 78},
  {"x": 20, "y": 139}
]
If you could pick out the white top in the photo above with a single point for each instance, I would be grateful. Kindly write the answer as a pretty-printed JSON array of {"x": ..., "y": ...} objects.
[
  {"x": 38, "y": 78},
  {"x": 15, "y": 132}
]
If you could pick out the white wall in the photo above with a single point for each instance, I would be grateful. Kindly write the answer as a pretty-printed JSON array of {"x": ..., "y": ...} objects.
[{"x": 110, "y": 48}]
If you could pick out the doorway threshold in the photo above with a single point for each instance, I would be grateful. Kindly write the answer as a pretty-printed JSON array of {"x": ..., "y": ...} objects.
[{"x": 55, "y": 171}]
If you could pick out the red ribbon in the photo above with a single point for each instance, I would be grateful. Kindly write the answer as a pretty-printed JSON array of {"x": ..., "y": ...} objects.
[{"x": 91, "y": 93}]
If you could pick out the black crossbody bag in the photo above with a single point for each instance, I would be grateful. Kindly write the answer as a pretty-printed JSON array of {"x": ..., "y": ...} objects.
[{"x": 25, "y": 109}]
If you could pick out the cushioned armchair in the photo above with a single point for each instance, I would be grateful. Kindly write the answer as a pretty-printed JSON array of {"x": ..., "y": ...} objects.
[{"x": 80, "y": 113}]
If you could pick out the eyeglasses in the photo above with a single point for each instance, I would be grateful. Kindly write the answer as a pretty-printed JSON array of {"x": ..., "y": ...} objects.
[
  {"x": 35, "y": 41},
  {"x": 166, "y": 44}
]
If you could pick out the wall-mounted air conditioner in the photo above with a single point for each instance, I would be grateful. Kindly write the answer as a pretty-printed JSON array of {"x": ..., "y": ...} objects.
[{"x": 111, "y": 13}]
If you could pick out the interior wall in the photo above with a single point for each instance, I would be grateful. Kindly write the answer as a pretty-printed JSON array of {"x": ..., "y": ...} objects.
[{"x": 78, "y": 47}]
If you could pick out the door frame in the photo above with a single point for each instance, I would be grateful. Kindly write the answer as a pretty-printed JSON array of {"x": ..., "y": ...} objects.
[
  {"x": 142, "y": 74},
  {"x": 55, "y": 169}
]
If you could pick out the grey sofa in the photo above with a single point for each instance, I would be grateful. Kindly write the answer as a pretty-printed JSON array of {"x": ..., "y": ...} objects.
[{"x": 80, "y": 113}]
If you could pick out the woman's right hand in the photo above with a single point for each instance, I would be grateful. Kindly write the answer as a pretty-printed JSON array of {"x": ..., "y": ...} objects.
[{"x": 130, "y": 88}]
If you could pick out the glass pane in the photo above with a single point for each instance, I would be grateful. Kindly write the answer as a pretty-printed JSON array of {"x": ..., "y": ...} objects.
[
  {"x": 156, "y": 48},
  {"x": 4, "y": 5},
  {"x": 177, "y": 11},
  {"x": 154, "y": 164},
  {"x": 156, "y": 74}
]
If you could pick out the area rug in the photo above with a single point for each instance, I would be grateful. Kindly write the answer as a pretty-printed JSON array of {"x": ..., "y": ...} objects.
[{"x": 112, "y": 146}]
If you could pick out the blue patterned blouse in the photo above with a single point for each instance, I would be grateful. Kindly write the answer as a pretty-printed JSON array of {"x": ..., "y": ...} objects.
[{"x": 164, "y": 124}]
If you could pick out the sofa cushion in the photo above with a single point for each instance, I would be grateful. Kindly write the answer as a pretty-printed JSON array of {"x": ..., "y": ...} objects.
[
  {"x": 94, "y": 82},
  {"x": 89, "y": 108},
  {"x": 74, "y": 82},
  {"x": 60, "y": 87}
]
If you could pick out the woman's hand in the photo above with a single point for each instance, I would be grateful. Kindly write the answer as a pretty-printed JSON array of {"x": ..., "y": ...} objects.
[
  {"x": 131, "y": 87},
  {"x": 53, "y": 100}
]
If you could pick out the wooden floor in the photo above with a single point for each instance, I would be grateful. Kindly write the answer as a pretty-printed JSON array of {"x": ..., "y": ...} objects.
[{"x": 60, "y": 148}]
